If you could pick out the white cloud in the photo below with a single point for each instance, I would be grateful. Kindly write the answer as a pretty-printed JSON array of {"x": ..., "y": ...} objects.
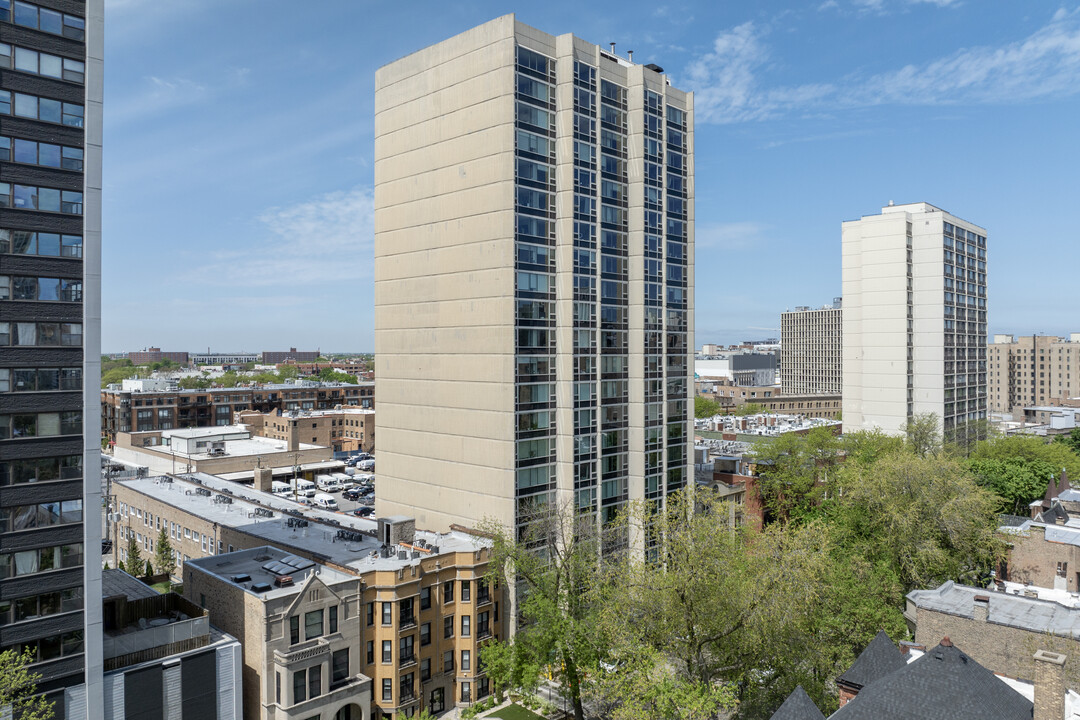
[
  {"x": 1044, "y": 64},
  {"x": 331, "y": 235},
  {"x": 729, "y": 236}
]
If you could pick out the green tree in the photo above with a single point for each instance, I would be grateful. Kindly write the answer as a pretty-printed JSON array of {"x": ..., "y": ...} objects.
[
  {"x": 922, "y": 436},
  {"x": 288, "y": 372},
  {"x": 134, "y": 566},
  {"x": 919, "y": 519},
  {"x": 792, "y": 471},
  {"x": 867, "y": 446},
  {"x": 1016, "y": 481},
  {"x": 18, "y": 687},
  {"x": 1030, "y": 447},
  {"x": 553, "y": 561},
  {"x": 750, "y": 409},
  {"x": 717, "y": 612},
  {"x": 1071, "y": 441},
  {"x": 332, "y": 375},
  {"x": 705, "y": 407},
  {"x": 164, "y": 561},
  {"x": 190, "y": 383}
]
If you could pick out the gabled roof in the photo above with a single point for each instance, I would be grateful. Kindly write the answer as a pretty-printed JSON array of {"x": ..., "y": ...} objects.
[
  {"x": 879, "y": 658},
  {"x": 943, "y": 683},
  {"x": 798, "y": 706}
]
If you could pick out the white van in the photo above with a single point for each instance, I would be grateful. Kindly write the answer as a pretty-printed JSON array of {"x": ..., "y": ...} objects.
[
  {"x": 326, "y": 483},
  {"x": 365, "y": 479},
  {"x": 325, "y": 502},
  {"x": 366, "y": 465},
  {"x": 305, "y": 488},
  {"x": 344, "y": 481},
  {"x": 280, "y": 488}
]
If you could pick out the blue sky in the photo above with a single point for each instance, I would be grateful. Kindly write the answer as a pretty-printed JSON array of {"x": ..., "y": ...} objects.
[{"x": 238, "y": 147}]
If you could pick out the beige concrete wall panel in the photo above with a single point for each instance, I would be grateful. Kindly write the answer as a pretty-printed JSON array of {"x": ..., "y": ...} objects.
[{"x": 447, "y": 207}]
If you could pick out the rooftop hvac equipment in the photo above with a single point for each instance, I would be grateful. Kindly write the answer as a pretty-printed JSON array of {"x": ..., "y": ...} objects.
[
  {"x": 223, "y": 499},
  {"x": 203, "y": 491},
  {"x": 283, "y": 581},
  {"x": 261, "y": 587},
  {"x": 241, "y": 578},
  {"x": 263, "y": 512}
]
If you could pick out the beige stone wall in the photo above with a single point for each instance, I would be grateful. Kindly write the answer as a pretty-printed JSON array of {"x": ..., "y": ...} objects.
[
  {"x": 1032, "y": 559},
  {"x": 1000, "y": 648},
  {"x": 1032, "y": 370}
]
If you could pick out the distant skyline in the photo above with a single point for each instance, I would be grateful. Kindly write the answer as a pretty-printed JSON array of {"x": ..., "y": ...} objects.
[{"x": 237, "y": 204}]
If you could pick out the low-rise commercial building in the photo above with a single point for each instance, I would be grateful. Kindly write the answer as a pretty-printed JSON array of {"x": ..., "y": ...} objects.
[
  {"x": 215, "y": 450},
  {"x": 163, "y": 406},
  {"x": 343, "y": 429},
  {"x": 425, "y": 605}
]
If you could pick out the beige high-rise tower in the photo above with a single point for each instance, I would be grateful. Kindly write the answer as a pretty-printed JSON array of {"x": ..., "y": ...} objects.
[
  {"x": 914, "y": 327},
  {"x": 533, "y": 278}
]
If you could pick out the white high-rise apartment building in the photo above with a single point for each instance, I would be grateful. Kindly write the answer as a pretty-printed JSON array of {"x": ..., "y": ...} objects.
[
  {"x": 914, "y": 288},
  {"x": 533, "y": 278},
  {"x": 810, "y": 350}
]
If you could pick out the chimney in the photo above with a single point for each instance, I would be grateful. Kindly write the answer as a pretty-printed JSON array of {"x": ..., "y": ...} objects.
[
  {"x": 264, "y": 478},
  {"x": 294, "y": 436},
  {"x": 1049, "y": 685},
  {"x": 981, "y": 608}
]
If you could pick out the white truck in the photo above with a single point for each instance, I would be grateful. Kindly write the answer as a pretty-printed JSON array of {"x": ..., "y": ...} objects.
[
  {"x": 344, "y": 481},
  {"x": 280, "y": 488},
  {"x": 327, "y": 483},
  {"x": 366, "y": 465},
  {"x": 324, "y": 502},
  {"x": 305, "y": 488}
]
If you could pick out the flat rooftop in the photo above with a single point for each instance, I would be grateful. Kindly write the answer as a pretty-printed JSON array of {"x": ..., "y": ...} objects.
[
  {"x": 255, "y": 445},
  {"x": 1034, "y": 614},
  {"x": 261, "y": 566},
  {"x": 303, "y": 385},
  {"x": 340, "y": 538}
]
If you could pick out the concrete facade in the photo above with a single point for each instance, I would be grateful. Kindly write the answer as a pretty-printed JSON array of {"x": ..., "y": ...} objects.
[
  {"x": 1032, "y": 370},
  {"x": 914, "y": 321},
  {"x": 811, "y": 356},
  {"x": 533, "y": 284}
]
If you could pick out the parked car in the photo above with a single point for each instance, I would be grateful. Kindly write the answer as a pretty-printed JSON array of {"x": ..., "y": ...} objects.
[
  {"x": 353, "y": 493},
  {"x": 366, "y": 511}
]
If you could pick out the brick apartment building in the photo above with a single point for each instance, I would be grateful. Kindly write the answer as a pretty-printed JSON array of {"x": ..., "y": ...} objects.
[
  {"x": 165, "y": 408},
  {"x": 732, "y": 396},
  {"x": 424, "y": 606},
  {"x": 153, "y": 355},
  {"x": 344, "y": 429},
  {"x": 1032, "y": 370}
]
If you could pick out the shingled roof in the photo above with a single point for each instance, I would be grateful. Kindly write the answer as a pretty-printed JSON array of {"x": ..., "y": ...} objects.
[
  {"x": 798, "y": 706},
  {"x": 877, "y": 660},
  {"x": 943, "y": 683}
]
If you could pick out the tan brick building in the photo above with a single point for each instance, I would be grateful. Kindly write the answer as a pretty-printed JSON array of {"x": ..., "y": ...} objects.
[
  {"x": 1032, "y": 370},
  {"x": 732, "y": 396},
  {"x": 425, "y": 607},
  {"x": 342, "y": 429}
]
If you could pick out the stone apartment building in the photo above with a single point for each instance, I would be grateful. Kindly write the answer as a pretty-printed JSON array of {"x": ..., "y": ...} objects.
[
  {"x": 426, "y": 607},
  {"x": 298, "y": 623},
  {"x": 167, "y": 407},
  {"x": 344, "y": 429},
  {"x": 1032, "y": 370}
]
